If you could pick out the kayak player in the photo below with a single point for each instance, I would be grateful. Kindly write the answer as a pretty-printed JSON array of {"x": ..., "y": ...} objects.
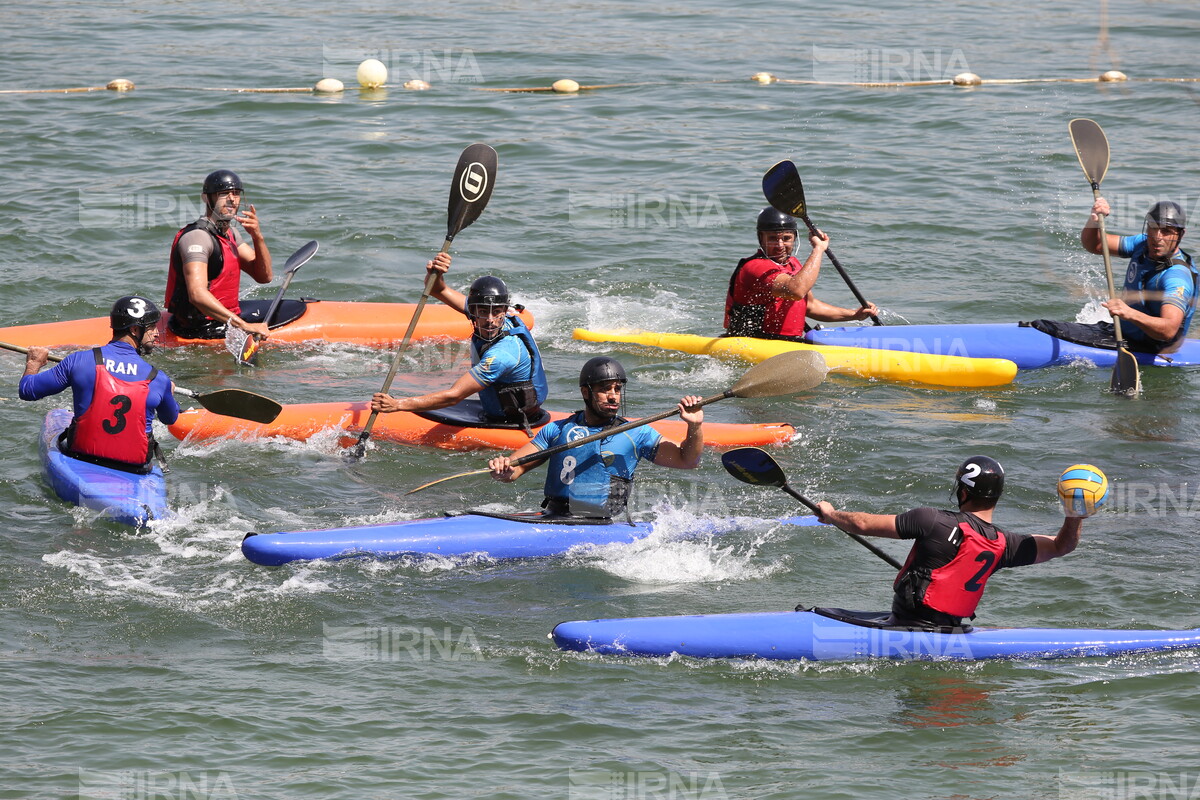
[
  {"x": 207, "y": 260},
  {"x": 595, "y": 479},
  {"x": 770, "y": 293},
  {"x": 506, "y": 369},
  {"x": 116, "y": 393},
  {"x": 955, "y": 552},
  {"x": 1160, "y": 284}
]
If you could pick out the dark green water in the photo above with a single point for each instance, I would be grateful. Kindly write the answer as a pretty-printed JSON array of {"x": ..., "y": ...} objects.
[{"x": 163, "y": 665}]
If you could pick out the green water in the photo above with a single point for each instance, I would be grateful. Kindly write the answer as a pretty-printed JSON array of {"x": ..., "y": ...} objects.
[{"x": 162, "y": 664}]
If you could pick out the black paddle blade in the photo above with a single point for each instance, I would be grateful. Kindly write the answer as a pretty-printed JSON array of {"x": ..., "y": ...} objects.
[
  {"x": 241, "y": 404},
  {"x": 783, "y": 189},
  {"x": 753, "y": 465},
  {"x": 301, "y": 257},
  {"x": 1125, "y": 376},
  {"x": 1091, "y": 147},
  {"x": 474, "y": 179}
]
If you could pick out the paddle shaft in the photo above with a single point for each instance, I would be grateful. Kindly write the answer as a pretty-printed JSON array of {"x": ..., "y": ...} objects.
[
  {"x": 813, "y": 507},
  {"x": 862, "y": 301},
  {"x": 18, "y": 349},
  {"x": 361, "y": 444},
  {"x": 1108, "y": 272}
]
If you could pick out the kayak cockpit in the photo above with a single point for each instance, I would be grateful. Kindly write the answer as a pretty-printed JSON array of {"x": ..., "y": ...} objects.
[{"x": 878, "y": 620}]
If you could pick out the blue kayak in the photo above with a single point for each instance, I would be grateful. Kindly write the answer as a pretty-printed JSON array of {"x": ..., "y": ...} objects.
[
  {"x": 1028, "y": 347},
  {"x": 125, "y": 497},
  {"x": 838, "y": 635},
  {"x": 500, "y": 536}
]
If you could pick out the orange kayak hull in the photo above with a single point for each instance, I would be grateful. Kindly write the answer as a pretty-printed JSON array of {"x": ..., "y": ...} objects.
[
  {"x": 370, "y": 324},
  {"x": 304, "y": 420}
]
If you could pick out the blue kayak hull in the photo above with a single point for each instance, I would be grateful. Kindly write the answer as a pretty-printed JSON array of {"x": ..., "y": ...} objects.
[
  {"x": 1028, "y": 347},
  {"x": 805, "y": 635},
  {"x": 467, "y": 534},
  {"x": 123, "y": 496}
]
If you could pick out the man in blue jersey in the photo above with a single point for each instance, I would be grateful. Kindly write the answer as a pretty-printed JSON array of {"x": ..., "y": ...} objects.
[
  {"x": 1161, "y": 284},
  {"x": 116, "y": 393},
  {"x": 506, "y": 369},
  {"x": 595, "y": 479}
]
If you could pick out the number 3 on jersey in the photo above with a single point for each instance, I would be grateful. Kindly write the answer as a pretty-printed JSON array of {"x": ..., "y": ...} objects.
[
  {"x": 567, "y": 475},
  {"x": 122, "y": 404}
]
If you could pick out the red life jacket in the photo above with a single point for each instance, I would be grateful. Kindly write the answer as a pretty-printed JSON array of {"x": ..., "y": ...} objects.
[
  {"x": 224, "y": 275},
  {"x": 751, "y": 309},
  {"x": 957, "y": 587},
  {"x": 112, "y": 430}
]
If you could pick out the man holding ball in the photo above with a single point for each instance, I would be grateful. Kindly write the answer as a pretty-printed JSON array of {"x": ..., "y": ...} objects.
[{"x": 955, "y": 552}]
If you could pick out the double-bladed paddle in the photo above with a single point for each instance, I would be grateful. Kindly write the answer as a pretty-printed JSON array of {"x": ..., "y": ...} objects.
[
  {"x": 226, "y": 402},
  {"x": 785, "y": 192},
  {"x": 755, "y": 466},
  {"x": 245, "y": 347},
  {"x": 474, "y": 178},
  {"x": 1091, "y": 147},
  {"x": 783, "y": 374}
]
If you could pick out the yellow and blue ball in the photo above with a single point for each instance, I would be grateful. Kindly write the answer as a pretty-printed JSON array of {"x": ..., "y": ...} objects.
[{"x": 1082, "y": 490}]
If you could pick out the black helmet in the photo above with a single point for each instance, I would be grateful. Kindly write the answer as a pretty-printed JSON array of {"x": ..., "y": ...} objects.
[
  {"x": 223, "y": 180},
  {"x": 133, "y": 310},
  {"x": 487, "y": 291},
  {"x": 601, "y": 369},
  {"x": 772, "y": 219},
  {"x": 982, "y": 478},
  {"x": 1166, "y": 214}
]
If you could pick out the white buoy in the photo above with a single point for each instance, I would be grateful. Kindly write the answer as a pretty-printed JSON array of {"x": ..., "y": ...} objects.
[
  {"x": 1114, "y": 75},
  {"x": 416, "y": 84},
  {"x": 119, "y": 85},
  {"x": 371, "y": 74},
  {"x": 329, "y": 86},
  {"x": 763, "y": 77},
  {"x": 565, "y": 86},
  {"x": 967, "y": 79}
]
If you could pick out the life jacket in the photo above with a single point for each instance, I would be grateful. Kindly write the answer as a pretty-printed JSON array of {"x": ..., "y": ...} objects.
[
  {"x": 521, "y": 401},
  {"x": 224, "y": 277},
  {"x": 957, "y": 587},
  {"x": 1181, "y": 258},
  {"x": 616, "y": 501},
  {"x": 762, "y": 314},
  {"x": 112, "y": 431}
]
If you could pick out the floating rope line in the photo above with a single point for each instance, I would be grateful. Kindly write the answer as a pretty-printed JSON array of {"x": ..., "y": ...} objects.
[{"x": 568, "y": 86}]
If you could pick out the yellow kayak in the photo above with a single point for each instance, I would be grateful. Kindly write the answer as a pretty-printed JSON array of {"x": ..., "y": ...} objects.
[{"x": 886, "y": 365}]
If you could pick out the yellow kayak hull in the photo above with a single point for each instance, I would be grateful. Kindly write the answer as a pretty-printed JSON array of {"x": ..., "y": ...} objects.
[{"x": 885, "y": 365}]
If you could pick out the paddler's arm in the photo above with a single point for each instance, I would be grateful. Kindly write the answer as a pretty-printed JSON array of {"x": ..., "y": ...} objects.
[
  {"x": 440, "y": 291},
  {"x": 820, "y": 310},
  {"x": 195, "y": 276},
  {"x": 254, "y": 256},
  {"x": 463, "y": 388},
  {"x": 798, "y": 286},
  {"x": 503, "y": 469},
  {"x": 1061, "y": 543},
  {"x": 1089, "y": 237},
  {"x": 1162, "y": 328},
  {"x": 686, "y": 455},
  {"x": 859, "y": 522}
]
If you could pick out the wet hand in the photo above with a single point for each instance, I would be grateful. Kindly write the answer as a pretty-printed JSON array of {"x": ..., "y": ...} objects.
[
  {"x": 819, "y": 240},
  {"x": 36, "y": 358},
  {"x": 502, "y": 469},
  {"x": 384, "y": 403},
  {"x": 1118, "y": 308},
  {"x": 1100, "y": 208},
  {"x": 824, "y": 509},
  {"x": 439, "y": 264},
  {"x": 248, "y": 219},
  {"x": 869, "y": 310},
  {"x": 689, "y": 411}
]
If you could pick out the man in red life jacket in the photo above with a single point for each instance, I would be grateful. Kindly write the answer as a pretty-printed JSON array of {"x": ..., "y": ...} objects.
[
  {"x": 207, "y": 259},
  {"x": 116, "y": 393},
  {"x": 955, "y": 552},
  {"x": 770, "y": 293}
]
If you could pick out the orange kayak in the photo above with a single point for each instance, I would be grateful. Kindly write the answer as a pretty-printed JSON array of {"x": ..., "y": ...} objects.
[
  {"x": 304, "y": 420},
  {"x": 371, "y": 324}
]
